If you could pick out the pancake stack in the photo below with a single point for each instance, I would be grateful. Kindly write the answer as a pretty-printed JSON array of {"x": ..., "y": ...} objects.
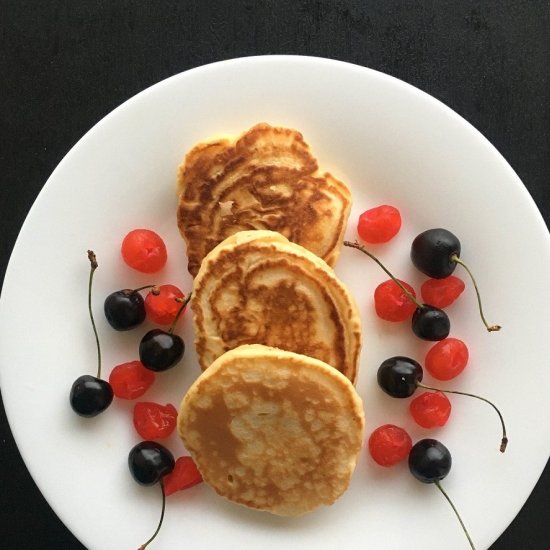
[
  {"x": 266, "y": 178},
  {"x": 274, "y": 421}
]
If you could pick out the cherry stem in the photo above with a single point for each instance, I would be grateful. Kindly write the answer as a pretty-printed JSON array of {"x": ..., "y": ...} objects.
[
  {"x": 143, "y": 546},
  {"x": 93, "y": 267},
  {"x": 396, "y": 281},
  {"x": 504, "y": 441},
  {"x": 490, "y": 328},
  {"x": 438, "y": 485},
  {"x": 155, "y": 291},
  {"x": 180, "y": 311}
]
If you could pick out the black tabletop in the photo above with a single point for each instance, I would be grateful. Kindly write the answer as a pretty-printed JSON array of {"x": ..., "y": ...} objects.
[{"x": 66, "y": 64}]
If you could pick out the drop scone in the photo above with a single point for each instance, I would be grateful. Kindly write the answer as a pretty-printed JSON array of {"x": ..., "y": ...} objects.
[
  {"x": 257, "y": 287},
  {"x": 273, "y": 430},
  {"x": 266, "y": 178}
]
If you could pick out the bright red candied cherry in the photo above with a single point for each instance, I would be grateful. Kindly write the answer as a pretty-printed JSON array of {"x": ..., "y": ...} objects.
[
  {"x": 154, "y": 421},
  {"x": 379, "y": 225},
  {"x": 163, "y": 307},
  {"x": 430, "y": 409},
  {"x": 447, "y": 359},
  {"x": 389, "y": 445},
  {"x": 184, "y": 475},
  {"x": 144, "y": 250},
  {"x": 391, "y": 303},
  {"x": 442, "y": 293},
  {"x": 131, "y": 380}
]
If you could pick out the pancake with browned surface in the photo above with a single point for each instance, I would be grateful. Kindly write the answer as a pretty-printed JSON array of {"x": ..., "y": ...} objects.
[
  {"x": 273, "y": 430},
  {"x": 267, "y": 178},
  {"x": 256, "y": 287}
]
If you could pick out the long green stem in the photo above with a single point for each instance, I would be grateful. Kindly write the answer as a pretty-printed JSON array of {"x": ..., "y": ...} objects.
[
  {"x": 504, "y": 441},
  {"x": 180, "y": 311},
  {"x": 490, "y": 328},
  {"x": 438, "y": 485},
  {"x": 93, "y": 267},
  {"x": 143, "y": 546},
  {"x": 396, "y": 281}
]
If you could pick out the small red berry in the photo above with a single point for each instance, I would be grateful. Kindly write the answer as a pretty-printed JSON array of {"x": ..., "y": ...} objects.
[
  {"x": 184, "y": 475},
  {"x": 430, "y": 409},
  {"x": 391, "y": 303},
  {"x": 389, "y": 444},
  {"x": 442, "y": 292},
  {"x": 379, "y": 225},
  {"x": 154, "y": 421},
  {"x": 162, "y": 308},
  {"x": 131, "y": 380},
  {"x": 144, "y": 250},
  {"x": 447, "y": 358}
]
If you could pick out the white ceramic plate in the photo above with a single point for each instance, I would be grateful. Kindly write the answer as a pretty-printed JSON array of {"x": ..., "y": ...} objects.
[{"x": 392, "y": 144}]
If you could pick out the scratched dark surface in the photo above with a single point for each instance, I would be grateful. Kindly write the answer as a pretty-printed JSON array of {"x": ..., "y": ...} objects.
[{"x": 64, "y": 65}]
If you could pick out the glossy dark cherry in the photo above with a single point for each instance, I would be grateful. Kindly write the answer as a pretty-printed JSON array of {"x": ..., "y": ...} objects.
[
  {"x": 398, "y": 376},
  {"x": 431, "y": 323},
  {"x": 160, "y": 350},
  {"x": 124, "y": 309},
  {"x": 429, "y": 460},
  {"x": 149, "y": 461},
  {"x": 432, "y": 252},
  {"x": 90, "y": 396}
]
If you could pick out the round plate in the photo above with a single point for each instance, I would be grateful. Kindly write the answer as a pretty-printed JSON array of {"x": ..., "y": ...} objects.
[{"x": 392, "y": 144}]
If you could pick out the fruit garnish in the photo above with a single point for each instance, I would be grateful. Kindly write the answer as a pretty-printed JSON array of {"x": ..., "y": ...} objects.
[
  {"x": 144, "y": 250},
  {"x": 430, "y": 409},
  {"x": 184, "y": 475},
  {"x": 428, "y": 322},
  {"x": 125, "y": 309},
  {"x": 163, "y": 306},
  {"x": 389, "y": 445},
  {"x": 154, "y": 421},
  {"x": 90, "y": 395},
  {"x": 149, "y": 462},
  {"x": 160, "y": 350},
  {"x": 430, "y": 462},
  {"x": 400, "y": 377},
  {"x": 379, "y": 224},
  {"x": 442, "y": 293},
  {"x": 131, "y": 380},
  {"x": 436, "y": 253},
  {"x": 447, "y": 359},
  {"x": 391, "y": 303}
]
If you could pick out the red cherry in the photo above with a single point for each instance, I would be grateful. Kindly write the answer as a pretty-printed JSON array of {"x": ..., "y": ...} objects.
[
  {"x": 154, "y": 421},
  {"x": 184, "y": 475},
  {"x": 389, "y": 444},
  {"x": 131, "y": 380},
  {"x": 144, "y": 250},
  {"x": 430, "y": 409},
  {"x": 442, "y": 292},
  {"x": 447, "y": 359},
  {"x": 379, "y": 225},
  {"x": 163, "y": 307},
  {"x": 391, "y": 303}
]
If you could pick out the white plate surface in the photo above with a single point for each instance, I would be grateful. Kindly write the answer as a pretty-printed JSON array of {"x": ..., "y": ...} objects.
[{"x": 392, "y": 144}]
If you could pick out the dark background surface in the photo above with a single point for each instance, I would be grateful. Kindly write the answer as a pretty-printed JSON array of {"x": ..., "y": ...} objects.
[{"x": 64, "y": 65}]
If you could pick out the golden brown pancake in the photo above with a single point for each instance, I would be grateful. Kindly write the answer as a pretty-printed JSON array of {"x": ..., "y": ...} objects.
[
  {"x": 267, "y": 178},
  {"x": 273, "y": 430},
  {"x": 256, "y": 287}
]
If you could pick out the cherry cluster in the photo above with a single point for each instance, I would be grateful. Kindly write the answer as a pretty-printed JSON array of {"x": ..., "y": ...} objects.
[
  {"x": 436, "y": 253},
  {"x": 160, "y": 349}
]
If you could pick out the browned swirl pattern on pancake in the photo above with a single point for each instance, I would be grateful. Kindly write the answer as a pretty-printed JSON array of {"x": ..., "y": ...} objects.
[
  {"x": 257, "y": 287},
  {"x": 273, "y": 430},
  {"x": 265, "y": 179}
]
